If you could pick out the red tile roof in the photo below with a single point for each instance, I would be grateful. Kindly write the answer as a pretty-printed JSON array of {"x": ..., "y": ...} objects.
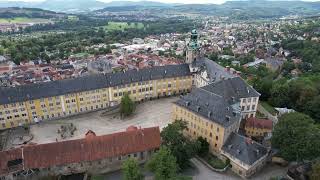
[
  {"x": 259, "y": 123},
  {"x": 90, "y": 148}
]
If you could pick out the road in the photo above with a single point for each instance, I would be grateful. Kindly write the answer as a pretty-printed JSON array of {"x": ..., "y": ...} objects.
[{"x": 204, "y": 173}]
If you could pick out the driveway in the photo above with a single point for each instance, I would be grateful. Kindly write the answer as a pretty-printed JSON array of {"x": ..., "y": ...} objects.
[{"x": 204, "y": 173}]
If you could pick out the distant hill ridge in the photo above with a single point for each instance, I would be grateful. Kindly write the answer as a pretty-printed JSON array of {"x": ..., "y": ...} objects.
[{"x": 242, "y": 8}]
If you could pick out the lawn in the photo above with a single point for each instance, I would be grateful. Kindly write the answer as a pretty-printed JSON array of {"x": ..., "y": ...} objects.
[
  {"x": 268, "y": 107},
  {"x": 23, "y": 20},
  {"x": 214, "y": 161},
  {"x": 184, "y": 178},
  {"x": 112, "y": 26}
]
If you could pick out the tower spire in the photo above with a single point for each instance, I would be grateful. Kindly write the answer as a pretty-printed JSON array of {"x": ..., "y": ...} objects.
[{"x": 193, "y": 47}]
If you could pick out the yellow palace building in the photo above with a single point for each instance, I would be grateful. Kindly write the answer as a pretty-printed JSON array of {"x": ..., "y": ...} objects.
[{"x": 29, "y": 104}]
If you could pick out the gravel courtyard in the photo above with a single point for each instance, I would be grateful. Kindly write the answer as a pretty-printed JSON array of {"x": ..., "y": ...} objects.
[{"x": 148, "y": 114}]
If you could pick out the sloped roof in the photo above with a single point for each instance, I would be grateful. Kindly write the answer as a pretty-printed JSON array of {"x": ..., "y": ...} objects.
[
  {"x": 210, "y": 106},
  {"x": 91, "y": 82},
  {"x": 244, "y": 149},
  {"x": 234, "y": 87},
  {"x": 259, "y": 123},
  {"x": 90, "y": 148}
]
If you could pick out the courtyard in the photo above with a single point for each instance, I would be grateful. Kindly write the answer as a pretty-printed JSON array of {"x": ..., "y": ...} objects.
[{"x": 147, "y": 114}]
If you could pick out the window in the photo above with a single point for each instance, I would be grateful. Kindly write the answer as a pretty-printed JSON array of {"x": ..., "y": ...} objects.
[
  {"x": 217, "y": 138},
  {"x": 115, "y": 94},
  {"x": 244, "y": 100},
  {"x": 242, "y": 108},
  {"x": 248, "y": 108},
  {"x": 253, "y": 107}
]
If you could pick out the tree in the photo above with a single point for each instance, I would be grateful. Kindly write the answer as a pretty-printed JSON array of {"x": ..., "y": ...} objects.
[
  {"x": 163, "y": 164},
  {"x": 296, "y": 137},
  {"x": 180, "y": 146},
  {"x": 313, "y": 108},
  {"x": 131, "y": 170},
  {"x": 127, "y": 106},
  {"x": 263, "y": 86},
  {"x": 204, "y": 146},
  {"x": 315, "y": 172},
  {"x": 280, "y": 95}
]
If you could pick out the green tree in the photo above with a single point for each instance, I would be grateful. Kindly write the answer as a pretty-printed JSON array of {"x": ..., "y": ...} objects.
[
  {"x": 204, "y": 146},
  {"x": 127, "y": 106},
  {"x": 131, "y": 170},
  {"x": 163, "y": 164},
  {"x": 313, "y": 108},
  {"x": 296, "y": 137},
  {"x": 180, "y": 146},
  {"x": 280, "y": 95},
  {"x": 263, "y": 86},
  {"x": 315, "y": 172}
]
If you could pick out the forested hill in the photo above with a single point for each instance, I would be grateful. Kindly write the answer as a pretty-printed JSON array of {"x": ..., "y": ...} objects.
[
  {"x": 236, "y": 9},
  {"x": 13, "y": 12}
]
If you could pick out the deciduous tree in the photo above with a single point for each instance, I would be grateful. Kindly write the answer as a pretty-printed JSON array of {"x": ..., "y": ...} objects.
[
  {"x": 131, "y": 170},
  {"x": 297, "y": 137},
  {"x": 127, "y": 106},
  {"x": 163, "y": 164},
  {"x": 180, "y": 146}
]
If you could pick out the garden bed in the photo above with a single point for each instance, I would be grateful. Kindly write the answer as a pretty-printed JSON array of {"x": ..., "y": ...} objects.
[{"x": 214, "y": 162}]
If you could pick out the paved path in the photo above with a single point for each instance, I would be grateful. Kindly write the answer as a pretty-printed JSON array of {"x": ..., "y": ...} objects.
[{"x": 204, "y": 173}]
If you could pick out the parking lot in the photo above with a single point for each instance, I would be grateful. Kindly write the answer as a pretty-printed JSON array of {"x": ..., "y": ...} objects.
[{"x": 148, "y": 114}]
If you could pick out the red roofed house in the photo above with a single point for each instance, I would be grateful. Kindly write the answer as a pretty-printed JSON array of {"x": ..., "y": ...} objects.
[
  {"x": 92, "y": 154},
  {"x": 258, "y": 127}
]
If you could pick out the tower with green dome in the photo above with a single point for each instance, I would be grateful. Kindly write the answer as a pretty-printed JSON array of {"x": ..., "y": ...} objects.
[{"x": 193, "y": 47}]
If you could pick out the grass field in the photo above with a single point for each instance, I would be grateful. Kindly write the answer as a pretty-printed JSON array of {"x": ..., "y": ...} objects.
[
  {"x": 112, "y": 26},
  {"x": 23, "y": 20},
  {"x": 268, "y": 107}
]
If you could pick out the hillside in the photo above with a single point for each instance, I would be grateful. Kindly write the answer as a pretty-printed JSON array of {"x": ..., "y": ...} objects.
[
  {"x": 252, "y": 9},
  {"x": 28, "y": 13}
]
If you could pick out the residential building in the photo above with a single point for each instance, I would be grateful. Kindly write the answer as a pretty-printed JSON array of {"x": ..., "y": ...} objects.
[
  {"x": 258, "y": 127},
  {"x": 33, "y": 103},
  {"x": 92, "y": 154},
  {"x": 246, "y": 156}
]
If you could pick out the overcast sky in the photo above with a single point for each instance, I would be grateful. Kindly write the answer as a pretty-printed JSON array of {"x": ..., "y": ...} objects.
[{"x": 166, "y": 1}]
